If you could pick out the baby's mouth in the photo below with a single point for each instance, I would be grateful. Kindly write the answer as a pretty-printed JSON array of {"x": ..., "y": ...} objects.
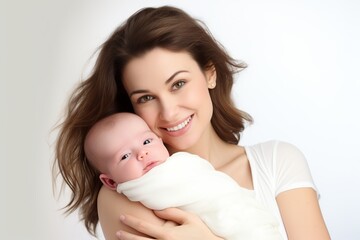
[{"x": 150, "y": 166}]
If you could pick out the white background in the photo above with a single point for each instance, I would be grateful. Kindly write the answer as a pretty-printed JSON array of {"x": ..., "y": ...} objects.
[{"x": 302, "y": 86}]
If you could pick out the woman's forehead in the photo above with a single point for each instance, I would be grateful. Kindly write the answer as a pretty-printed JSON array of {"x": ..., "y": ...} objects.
[{"x": 156, "y": 64}]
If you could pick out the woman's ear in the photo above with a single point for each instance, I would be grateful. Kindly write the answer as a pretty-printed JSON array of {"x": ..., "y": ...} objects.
[
  {"x": 210, "y": 74},
  {"x": 108, "y": 182}
]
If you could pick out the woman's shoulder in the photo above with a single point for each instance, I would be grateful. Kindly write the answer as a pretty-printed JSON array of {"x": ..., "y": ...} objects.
[
  {"x": 273, "y": 150},
  {"x": 111, "y": 205},
  {"x": 280, "y": 162},
  {"x": 275, "y": 158}
]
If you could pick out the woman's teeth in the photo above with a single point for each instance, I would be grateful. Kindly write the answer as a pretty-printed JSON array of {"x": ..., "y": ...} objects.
[{"x": 180, "y": 126}]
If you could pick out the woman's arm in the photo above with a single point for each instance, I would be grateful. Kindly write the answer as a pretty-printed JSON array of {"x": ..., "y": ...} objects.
[
  {"x": 139, "y": 220},
  {"x": 189, "y": 226},
  {"x": 111, "y": 205},
  {"x": 301, "y": 214}
]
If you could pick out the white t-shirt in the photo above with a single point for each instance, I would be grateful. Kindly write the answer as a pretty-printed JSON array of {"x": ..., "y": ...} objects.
[{"x": 277, "y": 167}]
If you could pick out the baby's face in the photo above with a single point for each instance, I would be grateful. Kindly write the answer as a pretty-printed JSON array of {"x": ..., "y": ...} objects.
[{"x": 126, "y": 149}]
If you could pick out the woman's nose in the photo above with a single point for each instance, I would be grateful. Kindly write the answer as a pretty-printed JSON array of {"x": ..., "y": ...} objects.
[{"x": 168, "y": 109}]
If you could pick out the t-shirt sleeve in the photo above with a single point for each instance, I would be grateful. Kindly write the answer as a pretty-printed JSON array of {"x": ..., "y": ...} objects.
[{"x": 292, "y": 170}]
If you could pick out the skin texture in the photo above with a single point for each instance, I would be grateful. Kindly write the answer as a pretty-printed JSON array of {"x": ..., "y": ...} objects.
[{"x": 168, "y": 103}]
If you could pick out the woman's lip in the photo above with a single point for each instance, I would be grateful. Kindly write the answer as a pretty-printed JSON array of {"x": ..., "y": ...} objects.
[
  {"x": 179, "y": 126},
  {"x": 181, "y": 131}
]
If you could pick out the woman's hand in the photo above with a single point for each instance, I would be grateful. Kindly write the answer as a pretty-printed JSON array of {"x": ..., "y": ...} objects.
[{"x": 189, "y": 226}]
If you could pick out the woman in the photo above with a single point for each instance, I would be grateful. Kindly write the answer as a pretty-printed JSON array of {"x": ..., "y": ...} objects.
[{"x": 165, "y": 66}]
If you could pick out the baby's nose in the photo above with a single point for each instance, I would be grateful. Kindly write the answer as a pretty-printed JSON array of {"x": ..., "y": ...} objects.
[{"x": 142, "y": 154}]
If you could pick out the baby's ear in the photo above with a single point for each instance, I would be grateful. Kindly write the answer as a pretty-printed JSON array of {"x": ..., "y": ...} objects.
[{"x": 108, "y": 182}]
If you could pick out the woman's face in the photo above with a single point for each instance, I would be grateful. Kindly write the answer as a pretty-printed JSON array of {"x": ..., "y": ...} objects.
[{"x": 170, "y": 92}]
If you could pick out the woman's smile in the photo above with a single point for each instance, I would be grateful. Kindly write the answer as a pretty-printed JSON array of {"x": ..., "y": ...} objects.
[
  {"x": 179, "y": 126},
  {"x": 180, "y": 129}
]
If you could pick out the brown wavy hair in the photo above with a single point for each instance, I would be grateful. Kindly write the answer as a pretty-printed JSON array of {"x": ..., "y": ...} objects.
[{"x": 103, "y": 94}]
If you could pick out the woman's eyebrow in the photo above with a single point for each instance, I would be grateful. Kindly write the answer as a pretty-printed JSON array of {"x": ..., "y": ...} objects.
[
  {"x": 166, "y": 82},
  {"x": 174, "y": 75},
  {"x": 137, "y": 92}
]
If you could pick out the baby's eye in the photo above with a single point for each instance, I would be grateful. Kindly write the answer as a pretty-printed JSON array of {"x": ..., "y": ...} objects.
[
  {"x": 144, "y": 99},
  {"x": 147, "y": 141},
  {"x": 177, "y": 85},
  {"x": 125, "y": 156}
]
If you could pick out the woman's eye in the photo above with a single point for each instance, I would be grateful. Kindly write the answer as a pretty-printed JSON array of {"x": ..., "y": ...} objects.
[
  {"x": 147, "y": 141},
  {"x": 125, "y": 156},
  {"x": 145, "y": 99},
  {"x": 178, "y": 84}
]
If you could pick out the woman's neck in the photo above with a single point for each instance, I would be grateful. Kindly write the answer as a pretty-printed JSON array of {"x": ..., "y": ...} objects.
[{"x": 212, "y": 148}]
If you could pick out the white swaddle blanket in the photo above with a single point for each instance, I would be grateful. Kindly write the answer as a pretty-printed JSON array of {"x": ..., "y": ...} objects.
[{"x": 189, "y": 182}]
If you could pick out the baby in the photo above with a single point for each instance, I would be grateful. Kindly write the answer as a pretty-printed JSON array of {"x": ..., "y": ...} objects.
[{"x": 134, "y": 161}]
